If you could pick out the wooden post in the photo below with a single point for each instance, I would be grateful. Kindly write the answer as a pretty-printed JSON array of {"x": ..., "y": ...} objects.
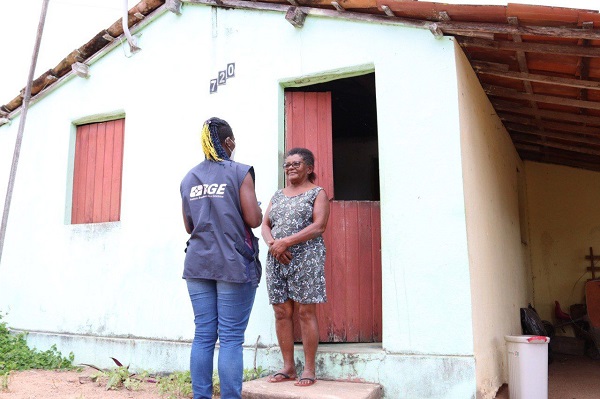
[{"x": 19, "y": 139}]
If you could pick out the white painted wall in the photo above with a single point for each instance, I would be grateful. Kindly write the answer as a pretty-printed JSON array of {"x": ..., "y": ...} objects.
[
  {"x": 424, "y": 258},
  {"x": 7, "y": 147},
  {"x": 123, "y": 279},
  {"x": 498, "y": 259}
]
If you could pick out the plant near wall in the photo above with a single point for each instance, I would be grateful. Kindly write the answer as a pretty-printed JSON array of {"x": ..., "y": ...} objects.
[
  {"x": 16, "y": 355},
  {"x": 255, "y": 373},
  {"x": 176, "y": 385},
  {"x": 120, "y": 377}
]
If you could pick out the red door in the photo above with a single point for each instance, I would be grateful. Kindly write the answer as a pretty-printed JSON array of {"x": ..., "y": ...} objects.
[{"x": 353, "y": 235}]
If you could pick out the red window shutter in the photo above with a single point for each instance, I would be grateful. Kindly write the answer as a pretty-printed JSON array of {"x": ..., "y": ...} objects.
[{"x": 97, "y": 172}]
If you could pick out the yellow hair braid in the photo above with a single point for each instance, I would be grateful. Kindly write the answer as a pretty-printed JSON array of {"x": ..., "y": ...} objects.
[{"x": 208, "y": 147}]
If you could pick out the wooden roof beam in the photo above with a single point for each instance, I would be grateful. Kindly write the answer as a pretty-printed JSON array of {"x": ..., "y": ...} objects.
[
  {"x": 388, "y": 11},
  {"x": 337, "y": 6},
  {"x": 523, "y": 120},
  {"x": 453, "y": 27},
  {"x": 535, "y": 154},
  {"x": 497, "y": 91},
  {"x": 314, "y": 11},
  {"x": 295, "y": 16},
  {"x": 81, "y": 69},
  {"x": 524, "y": 139},
  {"x": 540, "y": 48},
  {"x": 555, "y": 80},
  {"x": 575, "y": 138},
  {"x": 489, "y": 66},
  {"x": 436, "y": 31},
  {"x": 509, "y": 106},
  {"x": 174, "y": 6},
  {"x": 474, "y": 34},
  {"x": 583, "y": 66},
  {"x": 564, "y": 127},
  {"x": 443, "y": 16},
  {"x": 522, "y": 61}
]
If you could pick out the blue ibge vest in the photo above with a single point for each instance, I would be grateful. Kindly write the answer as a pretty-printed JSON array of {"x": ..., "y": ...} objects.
[{"x": 218, "y": 248}]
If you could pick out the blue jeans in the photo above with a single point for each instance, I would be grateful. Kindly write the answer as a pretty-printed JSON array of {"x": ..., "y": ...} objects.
[{"x": 221, "y": 310}]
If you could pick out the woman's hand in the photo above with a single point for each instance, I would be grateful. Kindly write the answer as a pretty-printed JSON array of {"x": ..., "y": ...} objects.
[{"x": 279, "y": 250}]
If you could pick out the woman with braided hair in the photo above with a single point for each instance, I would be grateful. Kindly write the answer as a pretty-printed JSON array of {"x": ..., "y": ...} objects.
[{"x": 221, "y": 266}]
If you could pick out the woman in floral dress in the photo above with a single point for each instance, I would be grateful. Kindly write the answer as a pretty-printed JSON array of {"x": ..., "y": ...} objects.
[{"x": 292, "y": 228}]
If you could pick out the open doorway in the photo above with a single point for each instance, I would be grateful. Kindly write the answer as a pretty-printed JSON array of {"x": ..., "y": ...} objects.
[{"x": 337, "y": 120}]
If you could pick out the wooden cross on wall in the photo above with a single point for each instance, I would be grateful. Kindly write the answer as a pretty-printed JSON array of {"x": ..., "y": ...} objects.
[{"x": 592, "y": 268}]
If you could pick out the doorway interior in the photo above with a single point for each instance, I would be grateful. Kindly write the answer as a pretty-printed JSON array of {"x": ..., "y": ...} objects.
[{"x": 337, "y": 120}]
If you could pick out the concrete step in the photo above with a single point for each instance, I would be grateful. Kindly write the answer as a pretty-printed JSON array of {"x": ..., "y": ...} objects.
[{"x": 322, "y": 389}]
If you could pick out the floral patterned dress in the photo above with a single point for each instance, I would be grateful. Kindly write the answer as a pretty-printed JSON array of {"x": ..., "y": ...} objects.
[{"x": 303, "y": 280}]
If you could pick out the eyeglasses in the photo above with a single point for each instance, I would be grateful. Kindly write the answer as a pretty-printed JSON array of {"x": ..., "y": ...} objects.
[{"x": 295, "y": 164}]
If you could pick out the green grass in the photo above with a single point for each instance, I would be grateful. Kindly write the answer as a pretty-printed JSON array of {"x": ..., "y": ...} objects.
[
  {"x": 179, "y": 384},
  {"x": 176, "y": 385},
  {"x": 16, "y": 355}
]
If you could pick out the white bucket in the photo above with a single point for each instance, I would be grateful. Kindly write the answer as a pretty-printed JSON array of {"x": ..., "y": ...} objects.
[{"x": 527, "y": 366}]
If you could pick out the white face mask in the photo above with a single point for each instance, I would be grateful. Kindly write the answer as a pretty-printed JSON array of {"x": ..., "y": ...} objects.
[{"x": 232, "y": 156}]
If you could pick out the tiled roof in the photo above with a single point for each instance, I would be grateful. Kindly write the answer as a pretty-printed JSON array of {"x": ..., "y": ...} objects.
[{"x": 539, "y": 65}]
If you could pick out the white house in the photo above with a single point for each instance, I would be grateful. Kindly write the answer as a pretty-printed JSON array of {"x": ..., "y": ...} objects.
[{"x": 469, "y": 229}]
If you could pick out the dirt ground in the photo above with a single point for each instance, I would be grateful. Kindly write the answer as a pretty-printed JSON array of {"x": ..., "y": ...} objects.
[{"x": 49, "y": 384}]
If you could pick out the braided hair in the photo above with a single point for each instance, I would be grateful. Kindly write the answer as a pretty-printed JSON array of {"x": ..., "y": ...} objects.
[
  {"x": 307, "y": 157},
  {"x": 214, "y": 132}
]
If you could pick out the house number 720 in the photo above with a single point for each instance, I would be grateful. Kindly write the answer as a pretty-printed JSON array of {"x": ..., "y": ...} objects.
[{"x": 222, "y": 77}]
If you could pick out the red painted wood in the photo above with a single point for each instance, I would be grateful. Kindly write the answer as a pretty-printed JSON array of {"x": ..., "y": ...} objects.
[
  {"x": 117, "y": 171},
  {"x": 352, "y": 271},
  {"x": 365, "y": 256},
  {"x": 337, "y": 256},
  {"x": 97, "y": 172},
  {"x": 89, "y": 176},
  {"x": 376, "y": 270},
  {"x": 311, "y": 125},
  {"x": 592, "y": 297},
  {"x": 323, "y": 313},
  {"x": 109, "y": 139},
  {"x": 79, "y": 173},
  {"x": 308, "y": 125},
  {"x": 352, "y": 238},
  {"x": 324, "y": 167},
  {"x": 295, "y": 119}
]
